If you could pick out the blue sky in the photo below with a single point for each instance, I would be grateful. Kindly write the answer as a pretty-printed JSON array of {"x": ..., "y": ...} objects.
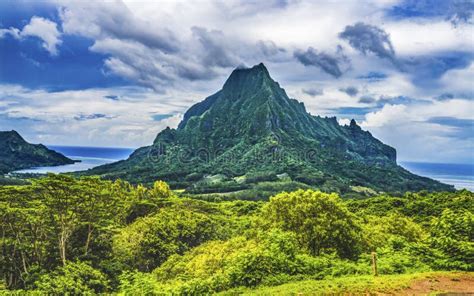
[{"x": 98, "y": 73}]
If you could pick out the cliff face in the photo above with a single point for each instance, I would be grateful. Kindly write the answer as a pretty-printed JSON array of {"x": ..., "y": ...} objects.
[
  {"x": 251, "y": 127},
  {"x": 17, "y": 154}
]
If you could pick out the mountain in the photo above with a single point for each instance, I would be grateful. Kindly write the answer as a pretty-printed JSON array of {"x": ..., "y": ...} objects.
[
  {"x": 17, "y": 154},
  {"x": 251, "y": 132}
]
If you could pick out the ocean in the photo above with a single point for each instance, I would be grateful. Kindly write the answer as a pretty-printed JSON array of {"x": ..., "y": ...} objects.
[
  {"x": 459, "y": 175},
  {"x": 89, "y": 156}
]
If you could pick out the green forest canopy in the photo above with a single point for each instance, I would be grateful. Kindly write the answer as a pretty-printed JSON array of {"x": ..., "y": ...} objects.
[{"x": 62, "y": 235}]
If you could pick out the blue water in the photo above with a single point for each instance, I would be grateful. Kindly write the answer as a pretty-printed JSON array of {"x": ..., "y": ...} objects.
[
  {"x": 89, "y": 156},
  {"x": 459, "y": 175}
]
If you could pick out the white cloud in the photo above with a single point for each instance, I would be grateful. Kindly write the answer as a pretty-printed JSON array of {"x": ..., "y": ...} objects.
[
  {"x": 344, "y": 121},
  {"x": 52, "y": 117},
  {"x": 41, "y": 28},
  {"x": 14, "y": 32},
  {"x": 416, "y": 37},
  {"x": 409, "y": 129},
  {"x": 46, "y": 30},
  {"x": 152, "y": 44}
]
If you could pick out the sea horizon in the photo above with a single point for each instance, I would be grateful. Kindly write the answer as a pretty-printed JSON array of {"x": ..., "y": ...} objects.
[{"x": 461, "y": 175}]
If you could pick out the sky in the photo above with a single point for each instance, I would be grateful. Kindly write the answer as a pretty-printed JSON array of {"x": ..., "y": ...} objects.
[{"x": 115, "y": 73}]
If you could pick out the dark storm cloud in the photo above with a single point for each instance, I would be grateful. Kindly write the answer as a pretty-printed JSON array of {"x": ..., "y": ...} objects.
[
  {"x": 367, "y": 99},
  {"x": 369, "y": 39},
  {"x": 350, "y": 90},
  {"x": 112, "y": 97},
  {"x": 328, "y": 63},
  {"x": 313, "y": 91}
]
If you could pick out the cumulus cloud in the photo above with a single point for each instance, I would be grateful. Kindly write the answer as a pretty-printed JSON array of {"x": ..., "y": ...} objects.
[
  {"x": 46, "y": 30},
  {"x": 14, "y": 32},
  {"x": 148, "y": 67},
  {"x": 138, "y": 50},
  {"x": 430, "y": 126},
  {"x": 425, "y": 68},
  {"x": 41, "y": 28},
  {"x": 101, "y": 20},
  {"x": 146, "y": 51}
]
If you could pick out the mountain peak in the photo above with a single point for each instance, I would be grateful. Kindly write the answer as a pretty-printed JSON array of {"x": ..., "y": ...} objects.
[
  {"x": 11, "y": 135},
  {"x": 245, "y": 77},
  {"x": 251, "y": 127}
]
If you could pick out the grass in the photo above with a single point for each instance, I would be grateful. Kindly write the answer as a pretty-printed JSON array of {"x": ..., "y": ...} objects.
[{"x": 385, "y": 284}]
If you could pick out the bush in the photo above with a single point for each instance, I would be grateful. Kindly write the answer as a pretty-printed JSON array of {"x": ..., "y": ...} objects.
[
  {"x": 382, "y": 231},
  {"x": 453, "y": 235},
  {"x": 149, "y": 241},
  {"x": 241, "y": 261},
  {"x": 77, "y": 278},
  {"x": 139, "y": 283},
  {"x": 320, "y": 221}
]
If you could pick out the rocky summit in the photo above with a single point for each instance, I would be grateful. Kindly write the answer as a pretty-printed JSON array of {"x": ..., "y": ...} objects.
[{"x": 251, "y": 134}]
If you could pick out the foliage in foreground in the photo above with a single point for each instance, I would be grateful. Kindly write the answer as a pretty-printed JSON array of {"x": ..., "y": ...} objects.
[{"x": 61, "y": 235}]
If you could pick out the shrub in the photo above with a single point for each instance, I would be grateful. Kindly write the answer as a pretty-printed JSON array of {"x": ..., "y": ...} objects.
[
  {"x": 320, "y": 221},
  {"x": 453, "y": 235},
  {"x": 381, "y": 231},
  {"x": 77, "y": 278},
  {"x": 149, "y": 241}
]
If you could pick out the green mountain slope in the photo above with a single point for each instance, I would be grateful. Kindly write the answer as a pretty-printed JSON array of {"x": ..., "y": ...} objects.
[
  {"x": 17, "y": 154},
  {"x": 251, "y": 131}
]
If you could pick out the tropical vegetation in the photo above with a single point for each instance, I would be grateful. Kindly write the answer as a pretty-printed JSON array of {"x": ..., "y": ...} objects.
[{"x": 63, "y": 235}]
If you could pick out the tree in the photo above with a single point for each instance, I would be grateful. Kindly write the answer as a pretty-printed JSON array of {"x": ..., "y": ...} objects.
[
  {"x": 25, "y": 232},
  {"x": 321, "y": 221},
  {"x": 150, "y": 240},
  {"x": 61, "y": 197},
  {"x": 453, "y": 234}
]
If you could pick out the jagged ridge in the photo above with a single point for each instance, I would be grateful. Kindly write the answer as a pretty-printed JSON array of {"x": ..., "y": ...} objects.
[{"x": 251, "y": 127}]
